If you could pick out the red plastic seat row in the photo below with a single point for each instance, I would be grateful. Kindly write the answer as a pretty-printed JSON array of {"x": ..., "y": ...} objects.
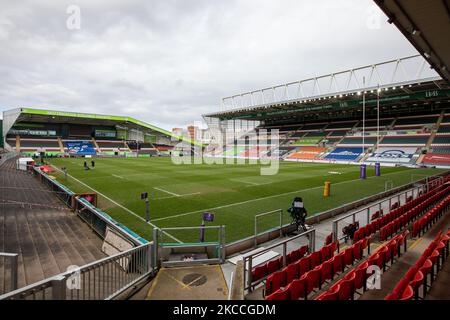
[
  {"x": 297, "y": 269},
  {"x": 345, "y": 288},
  {"x": 396, "y": 216},
  {"x": 260, "y": 272},
  {"x": 430, "y": 217},
  {"x": 417, "y": 275}
]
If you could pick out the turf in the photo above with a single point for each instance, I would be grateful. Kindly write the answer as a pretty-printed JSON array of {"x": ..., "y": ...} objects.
[{"x": 234, "y": 193}]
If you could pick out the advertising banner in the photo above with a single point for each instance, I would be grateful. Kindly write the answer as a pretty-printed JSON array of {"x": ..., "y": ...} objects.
[
  {"x": 437, "y": 158},
  {"x": 392, "y": 154},
  {"x": 344, "y": 154},
  {"x": 80, "y": 147}
]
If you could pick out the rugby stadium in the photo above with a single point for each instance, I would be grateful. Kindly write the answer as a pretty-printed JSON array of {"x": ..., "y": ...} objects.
[{"x": 97, "y": 206}]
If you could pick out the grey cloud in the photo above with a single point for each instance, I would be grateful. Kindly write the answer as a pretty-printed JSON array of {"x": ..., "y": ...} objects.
[{"x": 167, "y": 62}]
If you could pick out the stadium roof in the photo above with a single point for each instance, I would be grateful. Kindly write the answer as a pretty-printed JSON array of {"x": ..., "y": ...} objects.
[
  {"x": 426, "y": 24},
  {"x": 405, "y": 81},
  {"x": 41, "y": 115}
]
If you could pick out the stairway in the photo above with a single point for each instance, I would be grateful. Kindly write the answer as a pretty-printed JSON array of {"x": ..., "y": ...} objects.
[
  {"x": 47, "y": 236},
  {"x": 61, "y": 145}
]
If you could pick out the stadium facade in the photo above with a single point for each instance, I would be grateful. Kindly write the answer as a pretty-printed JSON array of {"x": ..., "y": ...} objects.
[
  {"x": 28, "y": 131},
  {"x": 394, "y": 112}
]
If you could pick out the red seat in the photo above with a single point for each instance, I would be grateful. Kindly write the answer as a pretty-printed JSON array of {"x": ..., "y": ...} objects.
[
  {"x": 312, "y": 280},
  {"x": 425, "y": 269},
  {"x": 407, "y": 294},
  {"x": 329, "y": 239},
  {"x": 292, "y": 257},
  {"x": 384, "y": 255},
  {"x": 259, "y": 272},
  {"x": 383, "y": 233},
  {"x": 338, "y": 263},
  {"x": 357, "y": 251},
  {"x": 275, "y": 281},
  {"x": 297, "y": 288},
  {"x": 401, "y": 285},
  {"x": 331, "y": 294},
  {"x": 279, "y": 295},
  {"x": 303, "y": 250},
  {"x": 376, "y": 259},
  {"x": 434, "y": 256},
  {"x": 325, "y": 253},
  {"x": 391, "y": 296},
  {"x": 347, "y": 286},
  {"x": 333, "y": 247},
  {"x": 361, "y": 275},
  {"x": 304, "y": 265},
  {"x": 365, "y": 243},
  {"x": 291, "y": 272},
  {"x": 327, "y": 270},
  {"x": 416, "y": 282},
  {"x": 348, "y": 256},
  {"x": 272, "y": 266},
  {"x": 315, "y": 259}
]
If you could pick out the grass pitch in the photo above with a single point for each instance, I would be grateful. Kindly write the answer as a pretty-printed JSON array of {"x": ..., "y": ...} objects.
[{"x": 235, "y": 193}]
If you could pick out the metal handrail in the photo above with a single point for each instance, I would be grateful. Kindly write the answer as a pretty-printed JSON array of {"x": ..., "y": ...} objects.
[
  {"x": 14, "y": 266},
  {"x": 106, "y": 278},
  {"x": 248, "y": 258}
]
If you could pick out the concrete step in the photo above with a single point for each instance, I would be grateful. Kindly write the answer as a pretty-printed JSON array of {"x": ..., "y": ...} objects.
[
  {"x": 60, "y": 256},
  {"x": 32, "y": 265},
  {"x": 66, "y": 243},
  {"x": 46, "y": 257},
  {"x": 12, "y": 245}
]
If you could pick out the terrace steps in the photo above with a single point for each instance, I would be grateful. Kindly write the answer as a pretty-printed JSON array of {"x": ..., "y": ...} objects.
[{"x": 47, "y": 237}]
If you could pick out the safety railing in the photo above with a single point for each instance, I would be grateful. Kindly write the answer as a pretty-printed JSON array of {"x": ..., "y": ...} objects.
[
  {"x": 213, "y": 248},
  {"x": 94, "y": 217},
  {"x": 58, "y": 189},
  {"x": 249, "y": 258},
  {"x": 99, "y": 280},
  {"x": 364, "y": 215},
  {"x": 11, "y": 260},
  {"x": 258, "y": 225},
  {"x": 99, "y": 221}
]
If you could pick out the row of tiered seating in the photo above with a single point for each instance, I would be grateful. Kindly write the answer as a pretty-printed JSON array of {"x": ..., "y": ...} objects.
[
  {"x": 356, "y": 278},
  {"x": 402, "y": 215},
  {"x": 322, "y": 274},
  {"x": 300, "y": 278},
  {"x": 297, "y": 264},
  {"x": 434, "y": 255},
  {"x": 424, "y": 223},
  {"x": 261, "y": 272}
]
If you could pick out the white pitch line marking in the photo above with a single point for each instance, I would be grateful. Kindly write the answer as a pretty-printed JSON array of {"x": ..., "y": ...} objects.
[
  {"x": 258, "y": 199},
  {"x": 118, "y": 204},
  {"x": 115, "y": 175},
  {"x": 249, "y": 182},
  {"x": 171, "y": 193}
]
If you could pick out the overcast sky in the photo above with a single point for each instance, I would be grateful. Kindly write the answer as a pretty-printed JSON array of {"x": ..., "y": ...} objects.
[{"x": 169, "y": 61}]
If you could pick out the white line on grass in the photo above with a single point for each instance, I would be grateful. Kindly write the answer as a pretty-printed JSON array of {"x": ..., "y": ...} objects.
[
  {"x": 249, "y": 182},
  {"x": 258, "y": 199},
  {"x": 117, "y": 204},
  {"x": 171, "y": 193},
  {"x": 115, "y": 175},
  {"x": 174, "y": 195}
]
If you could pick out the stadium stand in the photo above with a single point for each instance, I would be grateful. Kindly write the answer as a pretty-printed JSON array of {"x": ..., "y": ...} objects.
[
  {"x": 307, "y": 153},
  {"x": 401, "y": 140},
  {"x": 47, "y": 236},
  {"x": 345, "y": 154}
]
